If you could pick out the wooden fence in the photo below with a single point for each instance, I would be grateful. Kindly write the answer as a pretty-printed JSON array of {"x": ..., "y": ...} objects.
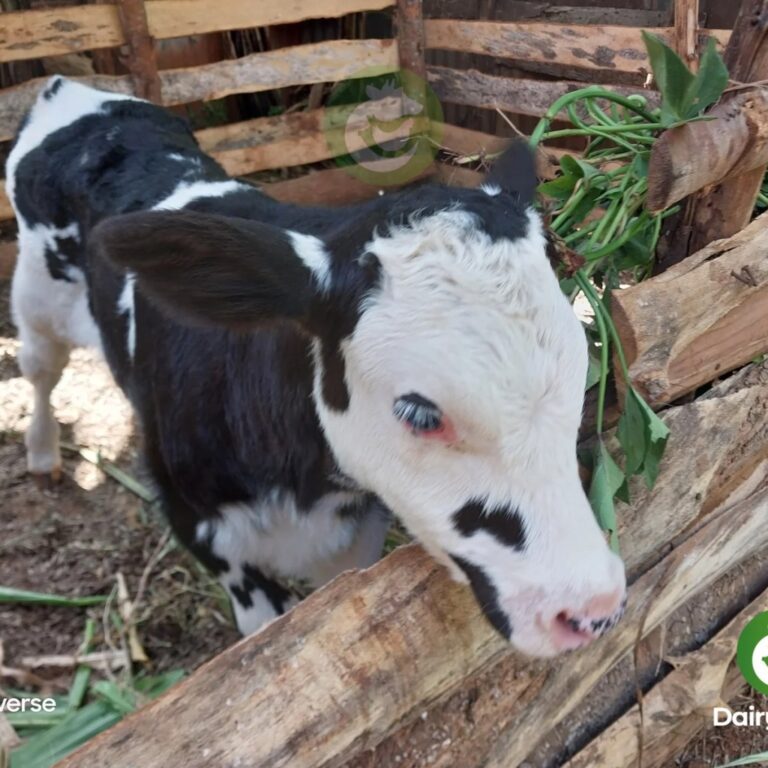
[
  {"x": 299, "y": 139},
  {"x": 399, "y": 649}
]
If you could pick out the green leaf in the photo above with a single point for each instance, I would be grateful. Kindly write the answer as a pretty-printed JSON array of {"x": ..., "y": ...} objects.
[
  {"x": 593, "y": 372},
  {"x": 672, "y": 77},
  {"x": 710, "y": 81},
  {"x": 607, "y": 479},
  {"x": 751, "y": 760},
  {"x": 573, "y": 166},
  {"x": 11, "y": 595},
  {"x": 632, "y": 433},
  {"x": 560, "y": 188}
]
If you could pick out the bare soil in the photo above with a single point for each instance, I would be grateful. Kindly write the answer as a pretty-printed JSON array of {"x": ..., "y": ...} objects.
[{"x": 75, "y": 537}]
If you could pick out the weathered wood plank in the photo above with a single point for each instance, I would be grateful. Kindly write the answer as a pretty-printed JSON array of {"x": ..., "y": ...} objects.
[
  {"x": 734, "y": 142},
  {"x": 613, "y": 48},
  {"x": 51, "y": 31},
  {"x": 695, "y": 685},
  {"x": 699, "y": 319},
  {"x": 520, "y": 95},
  {"x": 298, "y": 138},
  {"x": 550, "y": 11},
  {"x": 301, "y": 65}
]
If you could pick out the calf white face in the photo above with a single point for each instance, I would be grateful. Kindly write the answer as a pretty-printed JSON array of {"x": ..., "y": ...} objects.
[
  {"x": 465, "y": 377},
  {"x": 449, "y": 377}
]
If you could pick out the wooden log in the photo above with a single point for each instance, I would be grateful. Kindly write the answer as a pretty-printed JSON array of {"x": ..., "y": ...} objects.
[
  {"x": 31, "y": 34},
  {"x": 734, "y": 142},
  {"x": 300, "y": 65},
  {"x": 141, "y": 59},
  {"x": 726, "y": 208},
  {"x": 618, "y": 49},
  {"x": 695, "y": 686},
  {"x": 379, "y": 645},
  {"x": 519, "y": 95},
  {"x": 686, "y": 29},
  {"x": 698, "y": 320}
]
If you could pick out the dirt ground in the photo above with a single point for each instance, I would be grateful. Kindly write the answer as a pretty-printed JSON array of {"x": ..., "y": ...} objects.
[{"x": 73, "y": 539}]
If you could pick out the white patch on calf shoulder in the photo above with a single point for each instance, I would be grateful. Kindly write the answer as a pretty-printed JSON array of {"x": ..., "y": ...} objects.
[
  {"x": 311, "y": 250},
  {"x": 275, "y": 536},
  {"x": 491, "y": 189},
  {"x": 186, "y": 192},
  {"x": 48, "y": 115},
  {"x": 126, "y": 306}
]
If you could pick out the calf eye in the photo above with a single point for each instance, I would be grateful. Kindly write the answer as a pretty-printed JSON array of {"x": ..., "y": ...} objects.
[{"x": 420, "y": 414}]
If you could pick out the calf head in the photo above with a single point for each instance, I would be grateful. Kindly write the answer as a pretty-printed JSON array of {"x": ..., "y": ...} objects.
[{"x": 449, "y": 376}]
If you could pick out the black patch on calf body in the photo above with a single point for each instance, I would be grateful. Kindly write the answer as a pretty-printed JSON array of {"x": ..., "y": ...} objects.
[
  {"x": 503, "y": 523},
  {"x": 486, "y": 595},
  {"x": 254, "y": 579}
]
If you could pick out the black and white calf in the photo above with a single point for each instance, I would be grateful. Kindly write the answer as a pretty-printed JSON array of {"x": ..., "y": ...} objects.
[{"x": 299, "y": 371}]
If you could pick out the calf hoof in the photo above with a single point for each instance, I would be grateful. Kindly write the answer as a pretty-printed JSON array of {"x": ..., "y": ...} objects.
[{"x": 47, "y": 480}]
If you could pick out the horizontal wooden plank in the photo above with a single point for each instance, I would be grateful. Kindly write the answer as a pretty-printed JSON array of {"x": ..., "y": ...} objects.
[
  {"x": 329, "y": 61},
  {"x": 536, "y": 10},
  {"x": 519, "y": 95},
  {"x": 300, "y": 138},
  {"x": 51, "y": 31},
  {"x": 620, "y": 49},
  {"x": 299, "y": 65}
]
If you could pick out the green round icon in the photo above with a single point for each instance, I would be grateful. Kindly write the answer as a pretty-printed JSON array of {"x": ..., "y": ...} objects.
[
  {"x": 384, "y": 128},
  {"x": 752, "y": 652}
]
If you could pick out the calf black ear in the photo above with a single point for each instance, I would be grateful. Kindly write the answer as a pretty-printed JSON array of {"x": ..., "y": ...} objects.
[
  {"x": 215, "y": 270},
  {"x": 514, "y": 172}
]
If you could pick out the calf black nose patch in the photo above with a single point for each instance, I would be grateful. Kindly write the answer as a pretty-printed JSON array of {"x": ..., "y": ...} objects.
[{"x": 504, "y": 523}]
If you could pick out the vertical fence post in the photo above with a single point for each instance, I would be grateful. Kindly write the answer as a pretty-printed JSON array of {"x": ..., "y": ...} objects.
[
  {"x": 687, "y": 31},
  {"x": 141, "y": 60},
  {"x": 410, "y": 36}
]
